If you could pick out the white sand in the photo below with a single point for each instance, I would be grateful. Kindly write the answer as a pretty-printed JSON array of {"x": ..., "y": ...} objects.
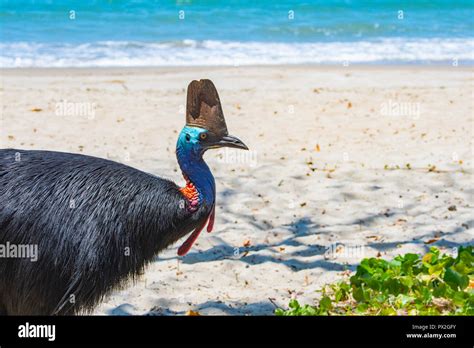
[{"x": 287, "y": 200}]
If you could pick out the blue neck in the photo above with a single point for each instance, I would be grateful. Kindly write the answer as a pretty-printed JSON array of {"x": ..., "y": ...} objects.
[{"x": 193, "y": 167}]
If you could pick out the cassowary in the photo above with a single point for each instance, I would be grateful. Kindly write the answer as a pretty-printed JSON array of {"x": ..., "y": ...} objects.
[{"x": 97, "y": 223}]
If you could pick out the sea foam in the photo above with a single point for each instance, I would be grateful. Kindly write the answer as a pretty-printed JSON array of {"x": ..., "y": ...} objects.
[{"x": 235, "y": 53}]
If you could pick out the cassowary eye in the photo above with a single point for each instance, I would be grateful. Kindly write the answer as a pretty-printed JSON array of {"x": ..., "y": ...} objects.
[
  {"x": 203, "y": 136},
  {"x": 188, "y": 137}
]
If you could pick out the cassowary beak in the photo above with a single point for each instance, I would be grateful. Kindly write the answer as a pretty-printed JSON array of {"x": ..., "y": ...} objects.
[{"x": 230, "y": 141}]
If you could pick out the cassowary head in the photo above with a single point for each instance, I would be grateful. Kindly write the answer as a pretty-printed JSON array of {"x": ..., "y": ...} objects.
[
  {"x": 205, "y": 129},
  {"x": 205, "y": 124}
]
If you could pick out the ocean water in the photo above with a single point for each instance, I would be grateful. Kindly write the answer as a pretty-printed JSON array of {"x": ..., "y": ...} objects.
[{"x": 88, "y": 33}]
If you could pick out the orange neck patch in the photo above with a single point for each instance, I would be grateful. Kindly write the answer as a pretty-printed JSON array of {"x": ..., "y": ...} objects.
[{"x": 191, "y": 193}]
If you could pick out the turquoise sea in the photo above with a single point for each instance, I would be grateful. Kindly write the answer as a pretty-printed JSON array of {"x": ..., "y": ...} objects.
[{"x": 76, "y": 33}]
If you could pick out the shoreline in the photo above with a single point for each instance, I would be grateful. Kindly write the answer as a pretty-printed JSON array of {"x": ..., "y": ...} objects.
[{"x": 328, "y": 67}]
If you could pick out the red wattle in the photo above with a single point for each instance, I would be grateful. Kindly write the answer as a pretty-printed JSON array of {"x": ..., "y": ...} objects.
[
  {"x": 188, "y": 243},
  {"x": 211, "y": 219}
]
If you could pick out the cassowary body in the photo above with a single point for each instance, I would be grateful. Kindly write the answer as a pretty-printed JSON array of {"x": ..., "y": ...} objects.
[{"x": 97, "y": 223}]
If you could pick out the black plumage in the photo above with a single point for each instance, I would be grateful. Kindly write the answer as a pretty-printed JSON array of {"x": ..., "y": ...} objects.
[{"x": 96, "y": 222}]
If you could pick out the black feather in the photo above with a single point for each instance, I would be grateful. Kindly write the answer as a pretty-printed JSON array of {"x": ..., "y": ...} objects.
[{"x": 83, "y": 213}]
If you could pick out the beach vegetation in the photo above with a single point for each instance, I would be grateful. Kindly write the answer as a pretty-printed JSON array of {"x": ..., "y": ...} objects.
[{"x": 409, "y": 284}]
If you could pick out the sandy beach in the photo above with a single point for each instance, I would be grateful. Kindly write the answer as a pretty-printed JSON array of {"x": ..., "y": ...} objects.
[{"x": 345, "y": 163}]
